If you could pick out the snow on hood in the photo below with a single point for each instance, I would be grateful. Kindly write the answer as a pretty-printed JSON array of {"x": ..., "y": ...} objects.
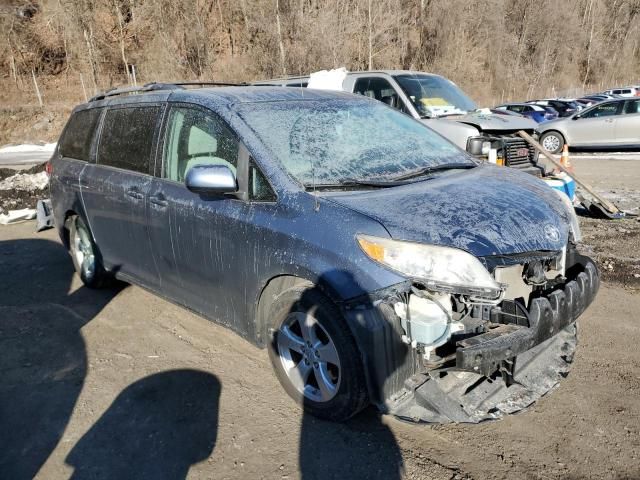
[
  {"x": 485, "y": 211},
  {"x": 493, "y": 121}
]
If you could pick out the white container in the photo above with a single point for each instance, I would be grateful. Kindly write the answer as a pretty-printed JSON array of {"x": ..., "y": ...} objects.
[{"x": 428, "y": 322}]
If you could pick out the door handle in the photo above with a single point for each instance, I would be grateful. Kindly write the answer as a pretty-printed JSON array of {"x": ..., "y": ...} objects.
[
  {"x": 135, "y": 194},
  {"x": 158, "y": 200}
]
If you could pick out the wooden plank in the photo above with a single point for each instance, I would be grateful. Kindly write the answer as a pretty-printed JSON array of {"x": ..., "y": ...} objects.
[{"x": 606, "y": 203}]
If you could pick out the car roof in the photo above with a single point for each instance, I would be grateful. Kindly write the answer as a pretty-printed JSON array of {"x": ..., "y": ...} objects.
[
  {"x": 351, "y": 73},
  {"x": 223, "y": 96},
  {"x": 524, "y": 104}
]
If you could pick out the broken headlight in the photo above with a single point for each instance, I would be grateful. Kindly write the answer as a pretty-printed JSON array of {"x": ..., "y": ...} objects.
[
  {"x": 442, "y": 269},
  {"x": 478, "y": 146}
]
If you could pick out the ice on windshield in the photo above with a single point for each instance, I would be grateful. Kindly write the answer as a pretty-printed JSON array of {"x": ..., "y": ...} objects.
[
  {"x": 333, "y": 141},
  {"x": 434, "y": 96}
]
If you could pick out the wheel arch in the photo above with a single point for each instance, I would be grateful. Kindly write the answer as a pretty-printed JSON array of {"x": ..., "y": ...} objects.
[
  {"x": 275, "y": 286},
  {"x": 64, "y": 229}
]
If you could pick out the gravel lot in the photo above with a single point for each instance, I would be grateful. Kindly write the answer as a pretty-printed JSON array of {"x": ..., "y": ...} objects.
[{"x": 122, "y": 384}]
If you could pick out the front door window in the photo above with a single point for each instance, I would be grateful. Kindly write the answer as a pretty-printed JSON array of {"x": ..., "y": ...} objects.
[{"x": 196, "y": 137}]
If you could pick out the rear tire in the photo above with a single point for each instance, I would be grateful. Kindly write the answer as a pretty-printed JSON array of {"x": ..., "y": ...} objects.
[
  {"x": 85, "y": 254},
  {"x": 552, "y": 141},
  {"x": 314, "y": 355}
]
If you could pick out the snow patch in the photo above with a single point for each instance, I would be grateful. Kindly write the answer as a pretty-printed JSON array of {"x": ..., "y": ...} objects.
[
  {"x": 25, "y": 181},
  {"x": 15, "y": 216},
  {"x": 26, "y": 147},
  {"x": 328, "y": 79}
]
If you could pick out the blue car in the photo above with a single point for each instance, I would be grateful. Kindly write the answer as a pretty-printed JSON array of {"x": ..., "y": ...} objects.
[
  {"x": 539, "y": 113},
  {"x": 377, "y": 262}
]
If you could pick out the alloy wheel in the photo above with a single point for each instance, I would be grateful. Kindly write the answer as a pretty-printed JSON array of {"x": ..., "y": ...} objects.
[
  {"x": 551, "y": 143},
  {"x": 309, "y": 357},
  {"x": 83, "y": 250}
]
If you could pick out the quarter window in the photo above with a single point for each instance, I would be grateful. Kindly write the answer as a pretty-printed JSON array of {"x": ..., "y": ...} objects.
[
  {"x": 76, "y": 142},
  {"x": 195, "y": 137},
  {"x": 127, "y": 138},
  {"x": 259, "y": 188}
]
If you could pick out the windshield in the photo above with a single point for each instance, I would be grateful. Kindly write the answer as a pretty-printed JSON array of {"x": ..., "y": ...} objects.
[
  {"x": 335, "y": 141},
  {"x": 434, "y": 96}
]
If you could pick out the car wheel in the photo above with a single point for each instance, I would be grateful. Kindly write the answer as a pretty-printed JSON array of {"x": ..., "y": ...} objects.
[
  {"x": 314, "y": 354},
  {"x": 85, "y": 254},
  {"x": 552, "y": 142}
]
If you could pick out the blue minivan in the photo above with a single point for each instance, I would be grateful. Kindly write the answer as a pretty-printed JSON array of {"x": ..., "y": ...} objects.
[{"x": 377, "y": 262}]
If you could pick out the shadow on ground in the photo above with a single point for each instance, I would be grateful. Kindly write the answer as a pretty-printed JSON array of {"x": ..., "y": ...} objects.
[
  {"x": 156, "y": 428},
  {"x": 43, "y": 355},
  {"x": 361, "y": 448}
]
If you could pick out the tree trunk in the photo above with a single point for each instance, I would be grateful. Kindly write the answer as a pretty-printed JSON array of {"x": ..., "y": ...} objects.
[{"x": 280, "y": 42}]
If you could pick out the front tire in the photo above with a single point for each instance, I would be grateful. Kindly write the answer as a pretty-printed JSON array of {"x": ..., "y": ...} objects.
[
  {"x": 552, "y": 141},
  {"x": 85, "y": 254},
  {"x": 314, "y": 355}
]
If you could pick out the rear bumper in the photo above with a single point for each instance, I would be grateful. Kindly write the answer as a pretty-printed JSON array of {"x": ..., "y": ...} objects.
[{"x": 547, "y": 316}]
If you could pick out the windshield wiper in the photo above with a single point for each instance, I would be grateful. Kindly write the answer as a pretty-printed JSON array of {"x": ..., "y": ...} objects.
[
  {"x": 432, "y": 169},
  {"x": 353, "y": 182}
]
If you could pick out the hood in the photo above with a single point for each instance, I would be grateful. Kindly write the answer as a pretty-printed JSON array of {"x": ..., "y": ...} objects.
[
  {"x": 493, "y": 121},
  {"x": 555, "y": 123},
  {"x": 485, "y": 211}
]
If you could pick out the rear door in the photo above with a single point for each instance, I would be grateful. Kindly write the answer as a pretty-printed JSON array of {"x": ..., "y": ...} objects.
[
  {"x": 596, "y": 126},
  {"x": 114, "y": 189},
  {"x": 628, "y": 124}
]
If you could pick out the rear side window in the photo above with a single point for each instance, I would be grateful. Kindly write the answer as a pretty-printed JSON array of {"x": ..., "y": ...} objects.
[
  {"x": 127, "y": 138},
  {"x": 379, "y": 89},
  {"x": 76, "y": 142}
]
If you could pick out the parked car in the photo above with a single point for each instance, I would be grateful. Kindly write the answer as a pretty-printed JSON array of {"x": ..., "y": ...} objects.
[
  {"x": 376, "y": 261},
  {"x": 564, "y": 107},
  {"x": 589, "y": 100},
  {"x": 624, "y": 92},
  {"x": 537, "y": 113},
  {"x": 612, "y": 123},
  {"x": 442, "y": 106}
]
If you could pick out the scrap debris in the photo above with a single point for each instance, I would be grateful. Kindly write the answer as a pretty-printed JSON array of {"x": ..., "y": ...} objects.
[{"x": 21, "y": 190}]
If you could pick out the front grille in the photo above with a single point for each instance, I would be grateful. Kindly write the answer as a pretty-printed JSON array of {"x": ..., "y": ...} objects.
[{"x": 518, "y": 153}]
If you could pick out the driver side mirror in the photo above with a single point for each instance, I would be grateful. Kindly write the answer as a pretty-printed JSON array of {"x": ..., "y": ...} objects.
[
  {"x": 577, "y": 116},
  {"x": 211, "y": 179}
]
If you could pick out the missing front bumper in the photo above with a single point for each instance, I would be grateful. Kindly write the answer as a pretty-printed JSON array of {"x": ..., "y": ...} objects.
[
  {"x": 506, "y": 369},
  {"x": 547, "y": 316}
]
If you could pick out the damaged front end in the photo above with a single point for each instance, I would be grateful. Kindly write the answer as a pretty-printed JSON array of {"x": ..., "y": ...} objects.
[{"x": 442, "y": 351}]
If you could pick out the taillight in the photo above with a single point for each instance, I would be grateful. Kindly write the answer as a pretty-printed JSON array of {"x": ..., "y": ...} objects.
[{"x": 48, "y": 168}]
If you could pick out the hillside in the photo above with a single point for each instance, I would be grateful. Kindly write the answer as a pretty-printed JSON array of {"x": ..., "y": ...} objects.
[{"x": 497, "y": 50}]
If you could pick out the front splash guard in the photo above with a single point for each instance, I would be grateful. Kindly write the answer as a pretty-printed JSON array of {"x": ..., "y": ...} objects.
[{"x": 467, "y": 397}]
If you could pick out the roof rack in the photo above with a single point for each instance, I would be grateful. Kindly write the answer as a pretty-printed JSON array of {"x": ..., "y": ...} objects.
[{"x": 155, "y": 86}]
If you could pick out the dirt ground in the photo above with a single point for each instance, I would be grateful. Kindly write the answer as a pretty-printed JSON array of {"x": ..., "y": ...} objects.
[{"x": 119, "y": 383}]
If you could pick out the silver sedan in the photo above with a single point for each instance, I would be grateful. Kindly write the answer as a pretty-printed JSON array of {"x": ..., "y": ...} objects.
[{"x": 614, "y": 123}]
